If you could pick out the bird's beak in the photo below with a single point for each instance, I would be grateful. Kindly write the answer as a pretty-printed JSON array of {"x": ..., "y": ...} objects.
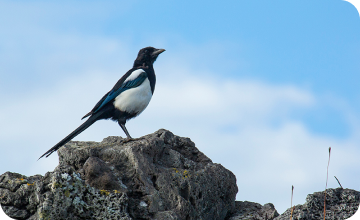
[{"x": 157, "y": 52}]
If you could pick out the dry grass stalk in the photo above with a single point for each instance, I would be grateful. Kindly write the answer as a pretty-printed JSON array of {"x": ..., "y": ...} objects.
[
  {"x": 292, "y": 208},
  {"x": 327, "y": 174},
  {"x": 338, "y": 182}
]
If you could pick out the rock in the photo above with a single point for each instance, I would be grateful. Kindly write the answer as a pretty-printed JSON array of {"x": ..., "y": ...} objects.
[
  {"x": 340, "y": 204},
  {"x": 158, "y": 176},
  {"x": 61, "y": 194},
  {"x": 357, "y": 215},
  {"x": 253, "y": 211}
]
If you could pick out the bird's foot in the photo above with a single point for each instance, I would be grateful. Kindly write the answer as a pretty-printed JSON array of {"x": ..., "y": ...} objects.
[
  {"x": 130, "y": 139},
  {"x": 127, "y": 140}
]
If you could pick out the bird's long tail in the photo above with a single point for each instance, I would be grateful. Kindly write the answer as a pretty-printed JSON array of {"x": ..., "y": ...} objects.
[{"x": 77, "y": 131}]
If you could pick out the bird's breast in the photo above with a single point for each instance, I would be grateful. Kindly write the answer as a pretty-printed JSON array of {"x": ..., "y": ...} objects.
[{"x": 134, "y": 100}]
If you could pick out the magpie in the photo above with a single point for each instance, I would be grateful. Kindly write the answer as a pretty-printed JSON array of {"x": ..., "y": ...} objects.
[{"x": 126, "y": 100}]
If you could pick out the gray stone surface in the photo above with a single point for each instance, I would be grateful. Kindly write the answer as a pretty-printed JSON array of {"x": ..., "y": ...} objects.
[
  {"x": 253, "y": 211},
  {"x": 61, "y": 194},
  {"x": 340, "y": 204},
  {"x": 158, "y": 176}
]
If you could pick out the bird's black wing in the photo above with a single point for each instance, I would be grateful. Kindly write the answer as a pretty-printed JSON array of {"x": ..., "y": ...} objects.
[
  {"x": 97, "y": 105},
  {"x": 119, "y": 87}
]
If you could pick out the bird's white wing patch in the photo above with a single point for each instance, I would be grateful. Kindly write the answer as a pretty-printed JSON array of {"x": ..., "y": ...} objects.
[
  {"x": 134, "y": 100},
  {"x": 134, "y": 75}
]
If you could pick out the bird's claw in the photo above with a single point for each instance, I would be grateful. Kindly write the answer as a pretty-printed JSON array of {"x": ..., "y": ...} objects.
[{"x": 128, "y": 140}]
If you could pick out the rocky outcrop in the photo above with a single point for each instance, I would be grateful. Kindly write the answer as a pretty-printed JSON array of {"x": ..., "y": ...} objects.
[
  {"x": 253, "y": 211},
  {"x": 61, "y": 194},
  {"x": 158, "y": 176},
  {"x": 340, "y": 204}
]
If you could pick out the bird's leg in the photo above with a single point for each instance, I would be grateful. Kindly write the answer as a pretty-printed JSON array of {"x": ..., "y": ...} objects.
[
  {"x": 122, "y": 125},
  {"x": 125, "y": 130}
]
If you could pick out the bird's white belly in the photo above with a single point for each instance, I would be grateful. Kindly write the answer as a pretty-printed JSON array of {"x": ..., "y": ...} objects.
[{"x": 134, "y": 100}]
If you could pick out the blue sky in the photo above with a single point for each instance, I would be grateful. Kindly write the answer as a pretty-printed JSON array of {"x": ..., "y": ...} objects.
[{"x": 262, "y": 87}]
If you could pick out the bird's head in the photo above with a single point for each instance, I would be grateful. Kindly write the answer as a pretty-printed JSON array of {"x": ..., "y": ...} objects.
[{"x": 147, "y": 55}]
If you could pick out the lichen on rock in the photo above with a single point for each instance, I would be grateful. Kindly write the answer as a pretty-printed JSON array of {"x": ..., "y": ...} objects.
[{"x": 60, "y": 194}]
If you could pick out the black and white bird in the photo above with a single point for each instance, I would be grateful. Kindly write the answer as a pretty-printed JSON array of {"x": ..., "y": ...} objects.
[{"x": 126, "y": 100}]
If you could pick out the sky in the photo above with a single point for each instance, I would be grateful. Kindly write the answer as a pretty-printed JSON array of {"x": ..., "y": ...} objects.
[{"x": 262, "y": 87}]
